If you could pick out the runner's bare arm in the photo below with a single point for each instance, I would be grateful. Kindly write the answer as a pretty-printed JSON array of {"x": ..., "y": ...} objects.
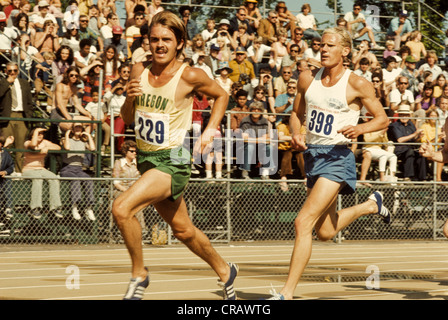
[
  {"x": 363, "y": 91},
  {"x": 133, "y": 90},
  {"x": 202, "y": 83},
  {"x": 297, "y": 119}
]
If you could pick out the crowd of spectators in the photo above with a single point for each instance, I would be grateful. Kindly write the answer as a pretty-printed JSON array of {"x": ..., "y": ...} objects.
[
  {"x": 61, "y": 51},
  {"x": 260, "y": 59}
]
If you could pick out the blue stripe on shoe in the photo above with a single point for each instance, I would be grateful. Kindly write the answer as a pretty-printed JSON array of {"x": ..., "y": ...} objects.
[{"x": 379, "y": 200}]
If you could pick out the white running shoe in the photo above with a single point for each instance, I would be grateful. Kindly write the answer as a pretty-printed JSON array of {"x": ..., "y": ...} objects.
[
  {"x": 75, "y": 213},
  {"x": 382, "y": 210},
  {"x": 90, "y": 215}
]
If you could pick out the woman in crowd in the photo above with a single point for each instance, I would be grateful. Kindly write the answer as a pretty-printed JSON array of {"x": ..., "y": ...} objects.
[
  {"x": 439, "y": 85},
  {"x": 279, "y": 50},
  {"x": 64, "y": 60},
  {"x": 71, "y": 38},
  {"x": 77, "y": 139},
  {"x": 307, "y": 22},
  {"x": 111, "y": 63}
]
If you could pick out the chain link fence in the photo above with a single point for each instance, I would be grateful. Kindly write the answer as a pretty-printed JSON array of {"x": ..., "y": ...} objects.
[{"x": 226, "y": 210}]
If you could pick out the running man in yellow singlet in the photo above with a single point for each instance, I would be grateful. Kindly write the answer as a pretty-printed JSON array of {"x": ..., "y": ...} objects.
[
  {"x": 159, "y": 101},
  {"x": 331, "y": 98}
]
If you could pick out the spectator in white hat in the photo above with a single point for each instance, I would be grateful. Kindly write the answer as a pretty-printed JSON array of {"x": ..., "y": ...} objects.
[{"x": 43, "y": 15}]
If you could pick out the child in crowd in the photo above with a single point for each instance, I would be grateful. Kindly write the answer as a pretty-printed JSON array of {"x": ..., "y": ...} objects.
[
  {"x": 95, "y": 111},
  {"x": 390, "y": 44}
]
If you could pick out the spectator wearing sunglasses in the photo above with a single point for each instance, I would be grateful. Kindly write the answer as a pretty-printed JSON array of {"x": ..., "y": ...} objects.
[{"x": 16, "y": 101}]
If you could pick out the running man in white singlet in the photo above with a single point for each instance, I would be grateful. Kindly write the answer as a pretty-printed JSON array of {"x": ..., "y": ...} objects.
[
  {"x": 160, "y": 101},
  {"x": 331, "y": 98}
]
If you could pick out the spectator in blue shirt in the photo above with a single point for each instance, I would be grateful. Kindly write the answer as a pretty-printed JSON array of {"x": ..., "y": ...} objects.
[
  {"x": 192, "y": 28},
  {"x": 283, "y": 102},
  {"x": 399, "y": 29}
]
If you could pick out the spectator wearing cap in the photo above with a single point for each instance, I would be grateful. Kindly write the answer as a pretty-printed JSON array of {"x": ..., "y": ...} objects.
[
  {"x": 223, "y": 35},
  {"x": 212, "y": 60},
  {"x": 404, "y": 132},
  {"x": 43, "y": 15},
  {"x": 399, "y": 29},
  {"x": 119, "y": 42},
  {"x": 222, "y": 78},
  {"x": 253, "y": 13},
  {"x": 6, "y": 37},
  {"x": 268, "y": 28},
  {"x": 243, "y": 69},
  {"x": 411, "y": 73},
  {"x": 106, "y": 30},
  {"x": 201, "y": 65},
  {"x": 192, "y": 28}
]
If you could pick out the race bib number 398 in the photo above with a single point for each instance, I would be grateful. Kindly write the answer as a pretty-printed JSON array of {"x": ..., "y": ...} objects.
[
  {"x": 152, "y": 128},
  {"x": 321, "y": 122}
]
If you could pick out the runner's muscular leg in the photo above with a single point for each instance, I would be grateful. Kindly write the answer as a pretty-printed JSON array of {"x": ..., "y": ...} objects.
[
  {"x": 320, "y": 198},
  {"x": 176, "y": 215},
  {"x": 333, "y": 221},
  {"x": 153, "y": 186}
]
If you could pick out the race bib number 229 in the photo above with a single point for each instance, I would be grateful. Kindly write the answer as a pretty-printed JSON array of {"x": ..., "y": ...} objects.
[{"x": 152, "y": 128}]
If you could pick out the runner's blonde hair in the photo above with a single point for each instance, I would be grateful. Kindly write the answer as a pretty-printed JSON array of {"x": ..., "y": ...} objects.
[{"x": 346, "y": 40}]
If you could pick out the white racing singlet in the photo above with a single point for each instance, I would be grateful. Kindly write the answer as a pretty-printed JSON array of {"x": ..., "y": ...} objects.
[{"x": 327, "y": 111}]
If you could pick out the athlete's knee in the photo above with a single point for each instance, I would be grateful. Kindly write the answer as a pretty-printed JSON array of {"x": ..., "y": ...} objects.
[
  {"x": 445, "y": 229},
  {"x": 303, "y": 226},
  {"x": 325, "y": 235},
  {"x": 184, "y": 235},
  {"x": 120, "y": 211}
]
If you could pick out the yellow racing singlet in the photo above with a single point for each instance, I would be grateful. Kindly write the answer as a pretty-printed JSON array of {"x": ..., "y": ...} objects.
[{"x": 159, "y": 124}]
